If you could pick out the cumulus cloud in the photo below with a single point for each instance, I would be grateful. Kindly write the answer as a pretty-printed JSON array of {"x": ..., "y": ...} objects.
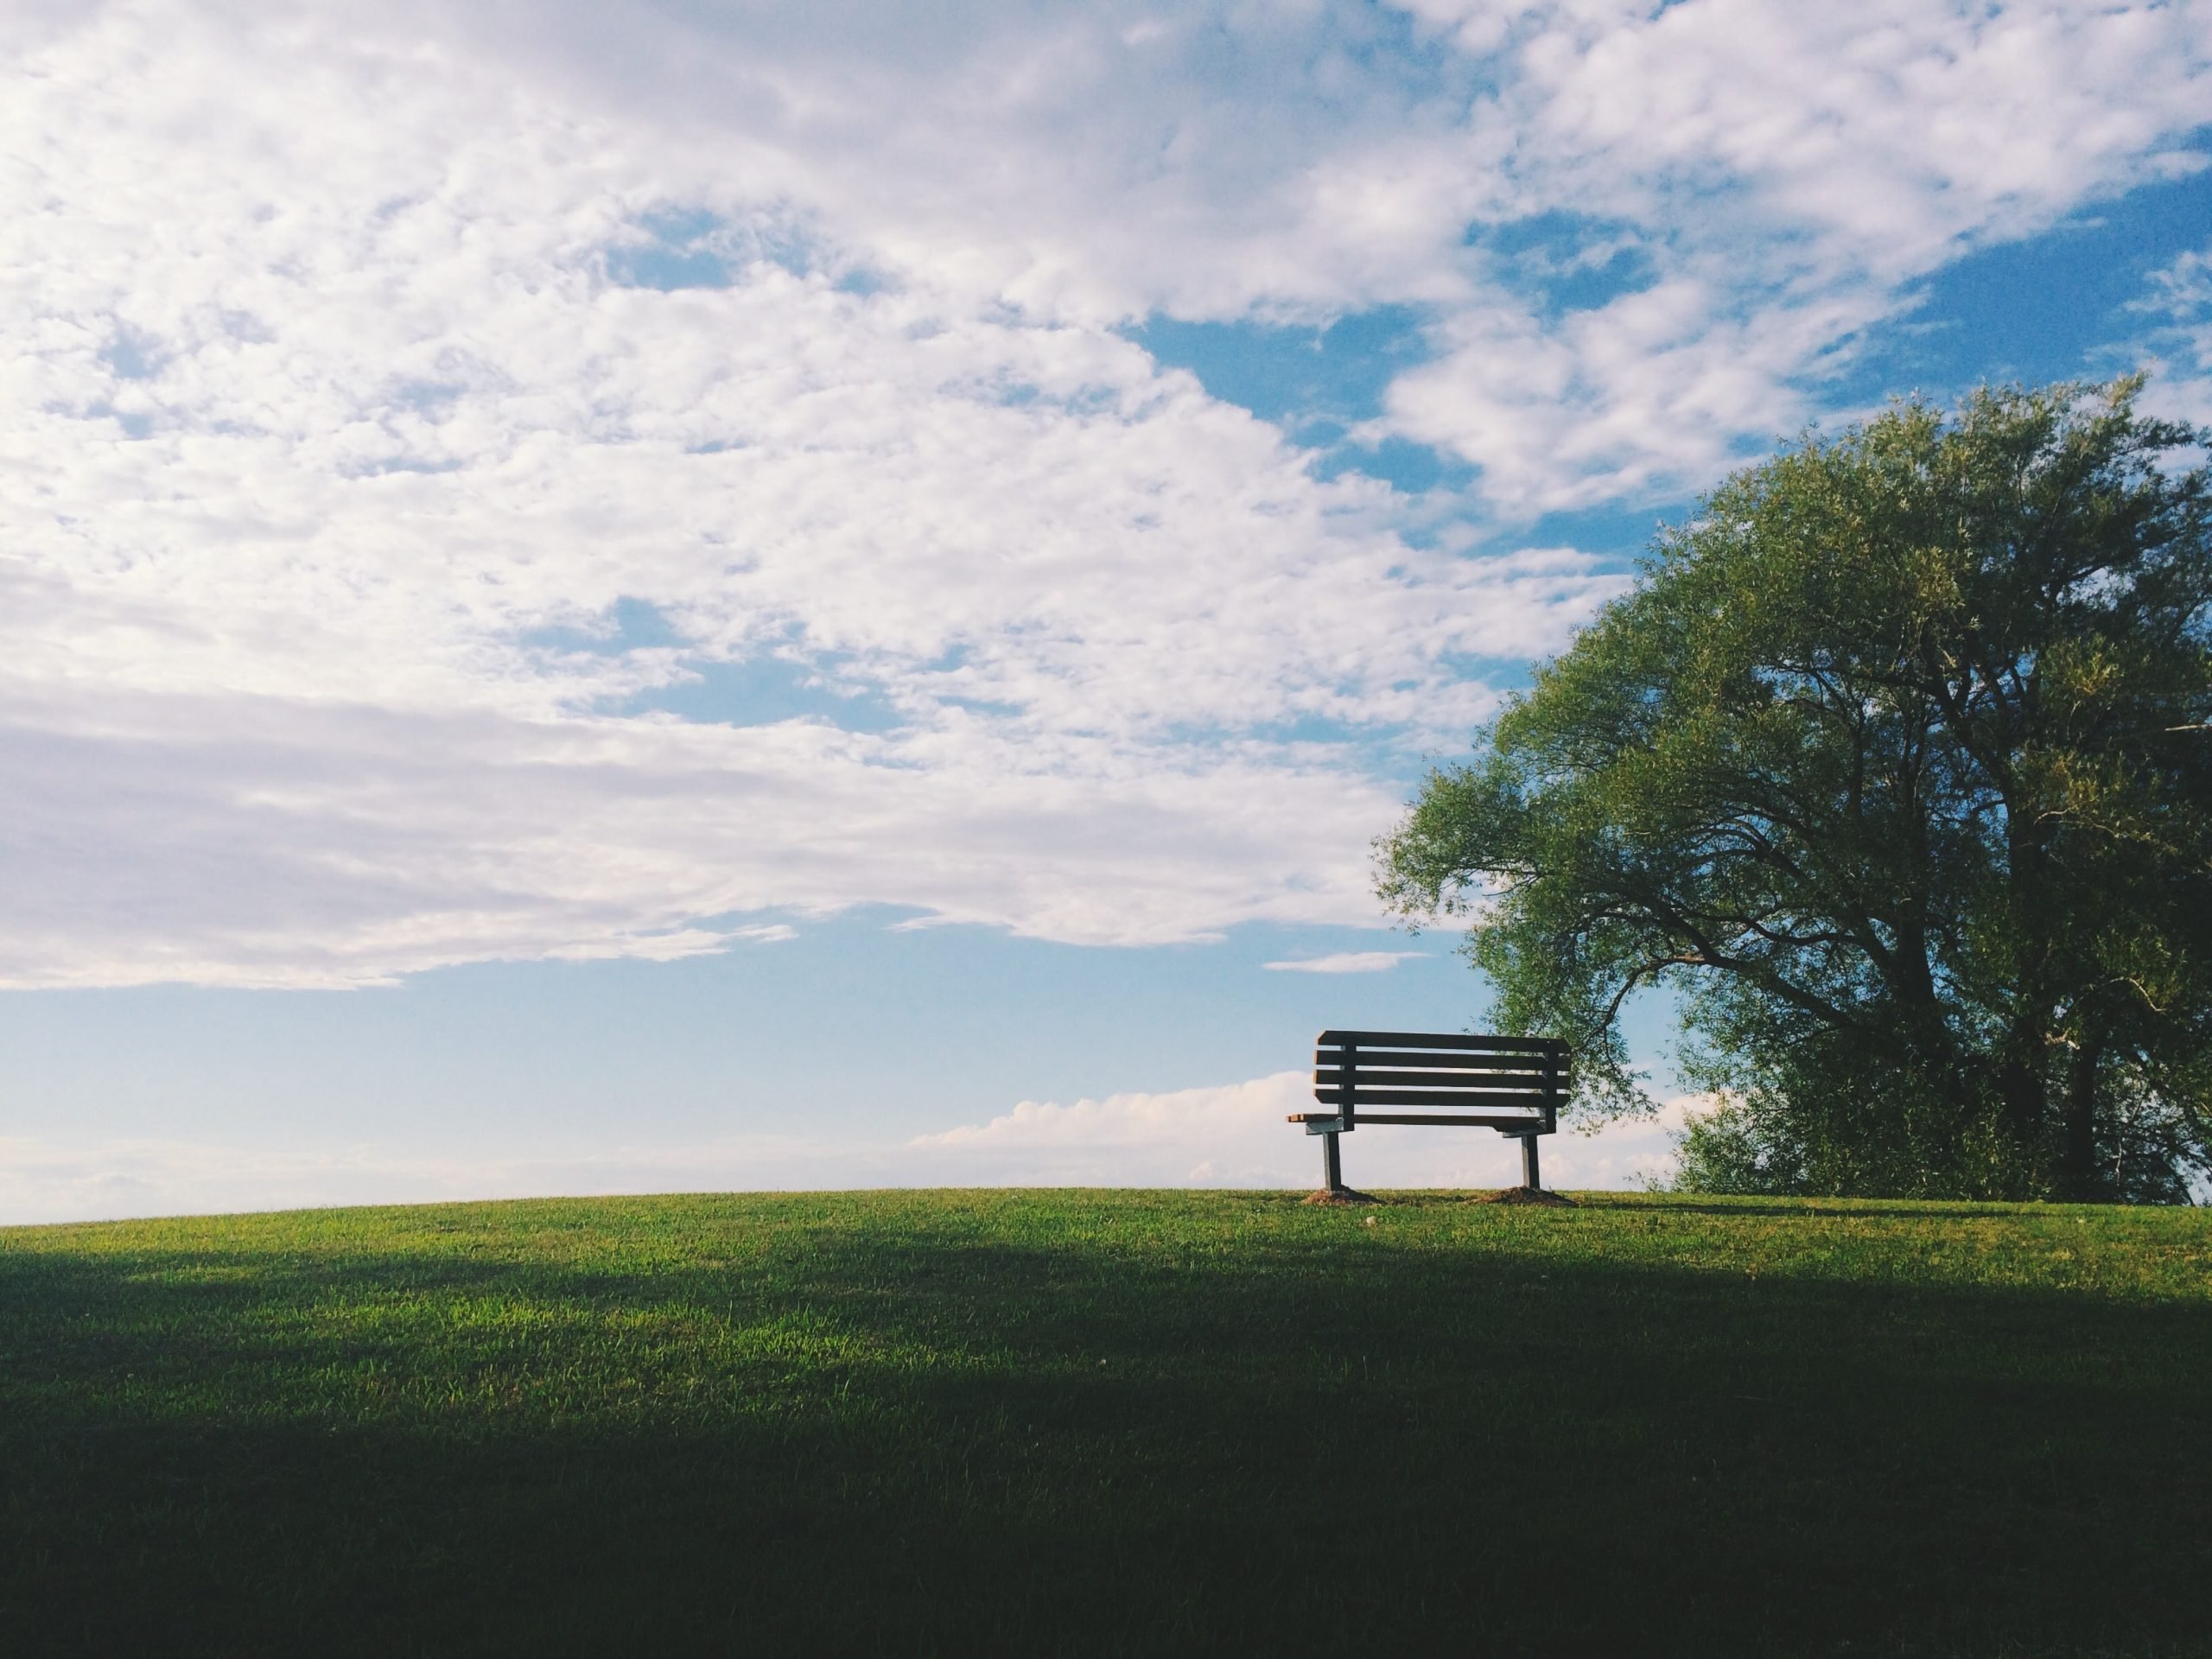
[
  {"x": 337, "y": 440},
  {"x": 1783, "y": 173},
  {"x": 362, "y": 367}
]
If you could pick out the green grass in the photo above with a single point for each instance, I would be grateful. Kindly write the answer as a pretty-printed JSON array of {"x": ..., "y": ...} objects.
[{"x": 1110, "y": 1422}]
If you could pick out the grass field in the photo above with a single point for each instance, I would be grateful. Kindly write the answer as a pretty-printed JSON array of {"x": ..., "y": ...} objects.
[{"x": 1110, "y": 1422}]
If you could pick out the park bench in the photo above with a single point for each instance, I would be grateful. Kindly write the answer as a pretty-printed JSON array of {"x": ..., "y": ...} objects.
[{"x": 1512, "y": 1084}]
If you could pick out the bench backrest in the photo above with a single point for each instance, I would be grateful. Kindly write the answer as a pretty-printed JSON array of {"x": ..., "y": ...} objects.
[{"x": 1463, "y": 1075}]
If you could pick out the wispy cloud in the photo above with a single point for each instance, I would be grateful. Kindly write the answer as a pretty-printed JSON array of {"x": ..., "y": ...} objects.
[
  {"x": 1231, "y": 1135},
  {"x": 1347, "y": 961},
  {"x": 1238, "y": 1135},
  {"x": 2176, "y": 306}
]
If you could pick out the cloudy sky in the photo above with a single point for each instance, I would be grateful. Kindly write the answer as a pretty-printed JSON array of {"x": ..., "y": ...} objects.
[{"x": 689, "y": 594}]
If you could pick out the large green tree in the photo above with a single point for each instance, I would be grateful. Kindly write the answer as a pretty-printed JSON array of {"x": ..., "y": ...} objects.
[{"x": 1894, "y": 768}]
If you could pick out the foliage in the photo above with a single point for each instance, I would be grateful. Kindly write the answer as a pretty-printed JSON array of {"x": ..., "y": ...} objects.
[
  {"x": 1895, "y": 768},
  {"x": 1083, "y": 1422}
]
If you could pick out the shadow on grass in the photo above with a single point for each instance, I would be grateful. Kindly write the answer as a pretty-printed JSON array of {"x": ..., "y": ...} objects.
[
  {"x": 1905, "y": 1212},
  {"x": 1916, "y": 1215},
  {"x": 932, "y": 1443}
]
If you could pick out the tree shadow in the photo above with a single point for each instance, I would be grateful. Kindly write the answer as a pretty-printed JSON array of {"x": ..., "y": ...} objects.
[
  {"x": 1802, "y": 1210},
  {"x": 1671, "y": 1204}
]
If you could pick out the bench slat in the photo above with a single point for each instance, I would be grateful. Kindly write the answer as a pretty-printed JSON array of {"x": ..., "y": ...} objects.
[
  {"x": 1370, "y": 1058},
  {"x": 1453, "y": 1121},
  {"x": 1362, "y": 1098},
  {"x": 1432, "y": 1040},
  {"x": 1335, "y": 1075}
]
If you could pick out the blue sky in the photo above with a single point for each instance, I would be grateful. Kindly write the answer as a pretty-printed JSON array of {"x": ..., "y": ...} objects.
[{"x": 665, "y": 596}]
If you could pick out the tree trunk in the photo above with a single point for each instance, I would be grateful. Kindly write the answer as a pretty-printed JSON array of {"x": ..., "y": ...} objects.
[
  {"x": 2022, "y": 1102},
  {"x": 2079, "y": 1178}
]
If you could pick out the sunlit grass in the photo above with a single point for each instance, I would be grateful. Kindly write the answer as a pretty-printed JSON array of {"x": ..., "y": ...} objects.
[{"x": 1110, "y": 1421}]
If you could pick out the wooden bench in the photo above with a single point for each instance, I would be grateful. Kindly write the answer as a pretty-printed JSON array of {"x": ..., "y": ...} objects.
[{"x": 1512, "y": 1084}]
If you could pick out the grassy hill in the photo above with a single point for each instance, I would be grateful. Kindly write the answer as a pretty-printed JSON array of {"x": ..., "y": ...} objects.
[{"x": 1110, "y": 1422}]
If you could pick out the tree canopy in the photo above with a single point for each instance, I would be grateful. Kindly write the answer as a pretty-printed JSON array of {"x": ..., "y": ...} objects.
[{"x": 1895, "y": 768}]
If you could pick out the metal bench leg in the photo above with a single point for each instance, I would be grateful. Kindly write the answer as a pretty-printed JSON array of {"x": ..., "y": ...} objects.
[
  {"x": 1332, "y": 1169},
  {"x": 1529, "y": 1176}
]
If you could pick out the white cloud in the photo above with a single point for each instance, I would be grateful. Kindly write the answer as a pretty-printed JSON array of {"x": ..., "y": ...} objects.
[
  {"x": 321, "y": 432},
  {"x": 2177, "y": 343},
  {"x": 235, "y": 841},
  {"x": 1786, "y": 171},
  {"x": 1233, "y": 1135},
  {"x": 1238, "y": 1135},
  {"x": 1641, "y": 399},
  {"x": 330, "y": 434},
  {"x": 1347, "y": 961}
]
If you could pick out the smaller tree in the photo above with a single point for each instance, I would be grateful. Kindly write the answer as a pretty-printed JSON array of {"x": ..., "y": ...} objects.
[{"x": 1895, "y": 768}]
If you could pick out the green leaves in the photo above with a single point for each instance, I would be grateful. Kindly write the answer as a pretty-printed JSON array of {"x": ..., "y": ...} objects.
[{"x": 1877, "y": 767}]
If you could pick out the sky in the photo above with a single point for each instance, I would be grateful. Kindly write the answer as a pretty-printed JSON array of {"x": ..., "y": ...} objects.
[{"x": 683, "y": 595}]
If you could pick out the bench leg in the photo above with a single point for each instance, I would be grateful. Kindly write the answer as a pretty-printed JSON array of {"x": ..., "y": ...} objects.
[
  {"x": 1332, "y": 1169},
  {"x": 1529, "y": 1176}
]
